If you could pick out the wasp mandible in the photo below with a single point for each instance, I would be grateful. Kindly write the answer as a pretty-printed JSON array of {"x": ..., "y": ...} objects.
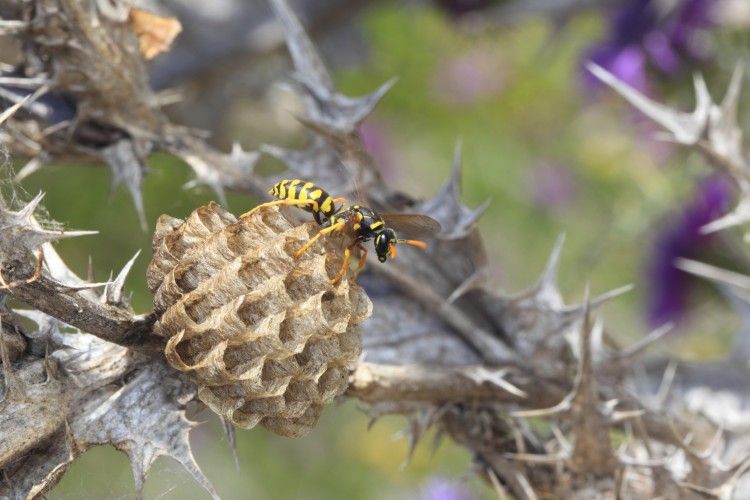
[{"x": 359, "y": 223}]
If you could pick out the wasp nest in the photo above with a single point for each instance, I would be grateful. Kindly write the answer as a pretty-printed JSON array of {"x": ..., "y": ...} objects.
[{"x": 265, "y": 335}]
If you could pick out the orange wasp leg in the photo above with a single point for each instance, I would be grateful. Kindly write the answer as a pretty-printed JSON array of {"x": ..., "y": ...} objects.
[
  {"x": 347, "y": 253},
  {"x": 284, "y": 202},
  {"x": 362, "y": 258},
  {"x": 344, "y": 266},
  {"x": 336, "y": 227}
]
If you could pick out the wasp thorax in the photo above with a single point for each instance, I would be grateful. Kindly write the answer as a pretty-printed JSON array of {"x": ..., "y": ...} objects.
[{"x": 265, "y": 335}]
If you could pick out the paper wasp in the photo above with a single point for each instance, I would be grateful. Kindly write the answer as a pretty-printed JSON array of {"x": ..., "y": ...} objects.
[{"x": 358, "y": 223}]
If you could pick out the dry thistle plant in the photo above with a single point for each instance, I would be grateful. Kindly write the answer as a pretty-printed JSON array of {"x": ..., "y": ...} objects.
[{"x": 521, "y": 380}]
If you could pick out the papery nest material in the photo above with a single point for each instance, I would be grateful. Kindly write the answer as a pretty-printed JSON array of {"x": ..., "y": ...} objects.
[{"x": 265, "y": 335}]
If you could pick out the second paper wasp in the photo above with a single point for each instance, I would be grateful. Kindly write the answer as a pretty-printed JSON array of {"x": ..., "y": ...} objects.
[{"x": 358, "y": 223}]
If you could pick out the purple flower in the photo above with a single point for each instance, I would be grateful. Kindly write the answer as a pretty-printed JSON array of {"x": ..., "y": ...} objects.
[
  {"x": 642, "y": 34},
  {"x": 550, "y": 185},
  {"x": 668, "y": 286},
  {"x": 439, "y": 488}
]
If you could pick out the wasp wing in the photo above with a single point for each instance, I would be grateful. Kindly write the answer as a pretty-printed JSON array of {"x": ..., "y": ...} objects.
[{"x": 417, "y": 225}]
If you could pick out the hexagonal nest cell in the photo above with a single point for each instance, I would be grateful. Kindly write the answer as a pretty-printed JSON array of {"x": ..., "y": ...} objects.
[{"x": 264, "y": 334}]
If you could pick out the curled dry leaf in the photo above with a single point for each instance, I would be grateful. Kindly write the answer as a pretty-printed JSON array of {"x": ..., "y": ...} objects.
[
  {"x": 155, "y": 33},
  {"x": 265, "y": 335}
]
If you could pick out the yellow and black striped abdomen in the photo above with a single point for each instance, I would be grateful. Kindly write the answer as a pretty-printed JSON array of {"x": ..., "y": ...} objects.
[{"x": 296, "y": 189}]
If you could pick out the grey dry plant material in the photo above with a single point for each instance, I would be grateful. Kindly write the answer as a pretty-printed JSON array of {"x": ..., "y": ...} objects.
[
  {"x": 65, "y": 391},
  {"x": 264, "y": 334},
  {"x": 521, "y": 380}
]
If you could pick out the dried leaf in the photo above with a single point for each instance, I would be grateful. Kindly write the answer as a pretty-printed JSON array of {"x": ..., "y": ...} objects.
[{"x": 156, "y": 33}]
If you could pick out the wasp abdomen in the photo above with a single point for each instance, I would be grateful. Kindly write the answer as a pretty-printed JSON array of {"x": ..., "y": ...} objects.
[{"x": 320, "y": 201}]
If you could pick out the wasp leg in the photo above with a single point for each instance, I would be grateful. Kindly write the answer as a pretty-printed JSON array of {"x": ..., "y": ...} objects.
[
  {"x": 336, "y": 227},
  {"x": 343, "y": 201},
  {"x": 285, "y": 202},
  {"x": 362, "y": 258},
  {"x": 362, "y": 251},
  {"x": 344, "y": 266}
]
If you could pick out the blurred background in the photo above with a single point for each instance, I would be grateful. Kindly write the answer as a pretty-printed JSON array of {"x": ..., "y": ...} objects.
[{"x": 555, "y": 151}]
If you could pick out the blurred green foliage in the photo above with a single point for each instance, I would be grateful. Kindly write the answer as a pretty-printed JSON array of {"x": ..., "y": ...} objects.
[
  {"x": 536, "y": 114},
  {"x": 339, "y": 459}
]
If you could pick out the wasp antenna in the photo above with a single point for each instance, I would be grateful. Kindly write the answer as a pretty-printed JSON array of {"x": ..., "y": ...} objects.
[{"x": 420, "y": 244}]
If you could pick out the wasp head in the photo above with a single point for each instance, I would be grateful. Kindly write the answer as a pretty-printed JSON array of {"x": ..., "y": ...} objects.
[{"x": 385, "y": 243}]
